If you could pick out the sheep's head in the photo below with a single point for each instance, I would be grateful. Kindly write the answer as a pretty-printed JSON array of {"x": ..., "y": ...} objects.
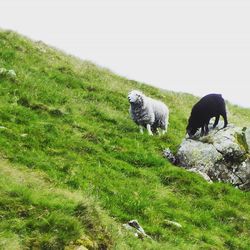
[
  {"x": 191, "y": 131},
  {"x": 192, "y": 127},
  {"x": 135, "y": 97}
]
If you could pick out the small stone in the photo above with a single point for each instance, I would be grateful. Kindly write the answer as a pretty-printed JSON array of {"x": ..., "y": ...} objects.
[
  {"x": 169, "y": 155},
  {"x": 172, "y": 223},
  {"x": 12, "y": 74},
  {"x": 139, "y": 231},
  {"x": 3, "y": 71}
]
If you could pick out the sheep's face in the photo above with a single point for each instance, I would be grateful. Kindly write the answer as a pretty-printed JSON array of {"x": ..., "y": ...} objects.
[
  {"x": 135, "y": 97},
  {"x": 192, "y": 127},
  {"x": 191, "y": 131}
]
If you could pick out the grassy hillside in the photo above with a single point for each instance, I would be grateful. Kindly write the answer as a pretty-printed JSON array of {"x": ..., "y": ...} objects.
[{"x": 73, "y": 166}]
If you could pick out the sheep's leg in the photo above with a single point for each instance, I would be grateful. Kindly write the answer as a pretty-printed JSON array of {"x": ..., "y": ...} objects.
[
  {"x": 163, "y": 131},
  {"x": 141, "y": 129},
  {"x": 165, "y": 128},
  {"x": 202, "y": 131},
  {"x": 206, "y": 128},
  {"x": 166, "y": 124},
  {"x": 224, "y": 115},
  {"x": 149, "y": 129},
  {"x": 216, "y": 121},
  {"x": 159, "y": 131}
]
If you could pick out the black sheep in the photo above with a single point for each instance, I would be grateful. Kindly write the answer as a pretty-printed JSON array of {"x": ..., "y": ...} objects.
[{"x": 212, "y": 105}]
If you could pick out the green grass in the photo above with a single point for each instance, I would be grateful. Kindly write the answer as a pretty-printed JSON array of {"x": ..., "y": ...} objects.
[{"x": 77, "y": 168}]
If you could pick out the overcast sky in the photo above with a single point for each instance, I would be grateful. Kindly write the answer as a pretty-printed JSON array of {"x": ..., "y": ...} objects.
[{"x": 199, "y": 47}]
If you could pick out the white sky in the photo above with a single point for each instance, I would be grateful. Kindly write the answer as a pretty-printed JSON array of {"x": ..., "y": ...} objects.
[{"x": 195, "y": 46}]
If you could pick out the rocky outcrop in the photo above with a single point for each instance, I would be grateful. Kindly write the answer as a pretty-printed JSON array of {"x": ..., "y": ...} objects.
[{"x": 222, "y": 155}]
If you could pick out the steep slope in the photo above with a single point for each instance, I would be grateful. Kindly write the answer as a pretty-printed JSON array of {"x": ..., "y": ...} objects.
[
  {"x": 36, "y": 213},
  {"x": 68, "y": 120}
]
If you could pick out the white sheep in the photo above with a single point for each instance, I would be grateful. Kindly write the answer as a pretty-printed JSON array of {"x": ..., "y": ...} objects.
[{"x": 148, "y": 113}]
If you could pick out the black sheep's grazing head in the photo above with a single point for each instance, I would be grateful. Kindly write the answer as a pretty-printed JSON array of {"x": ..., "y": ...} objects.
[
  {"x": 191, "y": 127},
  {"x": 191, "y": 131},
  {"x": 135, "y": 97}
]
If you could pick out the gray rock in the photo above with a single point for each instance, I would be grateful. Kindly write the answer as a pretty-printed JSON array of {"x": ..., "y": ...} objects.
[
  {"x": 222, "y": 155},
  {"x": 225, "y": 142},
  {"x": 172, "y": 223},
  {"x": 11, "y": 74},
  {"x": 169, "y": 155},
  {"x": 139, "y": 231},
  {"x": 247, "y": 136},
  {"x": 3, "y": 71},
  {"x": 198, "y": 155}
]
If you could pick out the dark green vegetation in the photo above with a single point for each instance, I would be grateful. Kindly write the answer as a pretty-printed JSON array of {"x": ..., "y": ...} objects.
[{"x": 76, "y": 167}]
